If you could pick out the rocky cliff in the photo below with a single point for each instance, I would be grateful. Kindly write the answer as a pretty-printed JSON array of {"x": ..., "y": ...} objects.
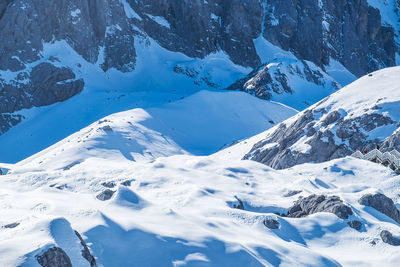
[
  {"x": 103, "y": 33},
  {"x": 357, "y": 117}
]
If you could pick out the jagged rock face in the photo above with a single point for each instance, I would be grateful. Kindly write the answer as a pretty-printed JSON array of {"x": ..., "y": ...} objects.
[
  {"x": 54, "y": 257},
  {"x": 85, "y": 25},
  {"x": 103, "y": 32},
  {"x": 320, "y": 145},
  {"x": 393, "y": 142},
  {"x": 357, "y": 117},
  {"x": 349, "y": 31},
  {"x": 269, "y": 81},
  {"x": 86, "y": 252},
  {"x": 198, "y": 28},
  {"x": 319, "y": 203}
]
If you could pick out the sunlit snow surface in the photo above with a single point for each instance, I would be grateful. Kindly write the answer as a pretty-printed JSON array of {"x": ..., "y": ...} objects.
[
  {"x": 178, "y": 212},
  {"x": 179, "y": 208}
]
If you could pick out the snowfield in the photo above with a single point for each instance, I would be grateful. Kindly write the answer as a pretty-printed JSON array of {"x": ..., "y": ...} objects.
[
  {"x": 179, "y": 211},
  {"x": 148, "y": 167},
  {"x": 137, "y": 189}
]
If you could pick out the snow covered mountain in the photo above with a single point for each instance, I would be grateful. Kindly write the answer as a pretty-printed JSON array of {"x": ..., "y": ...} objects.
[
  {"x": 168, "y": 133},
  {"x": 200, "y": 124},
  {"x": 106, "y": 49},
  {"x": 294, "y": 83},
  {"x": 357, "y": 117},
  {"x": 120, "y": 194}
]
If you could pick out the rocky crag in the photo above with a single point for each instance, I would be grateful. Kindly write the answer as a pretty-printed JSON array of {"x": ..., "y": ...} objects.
[
  {"x": 104, "y": 34},
  {"x": 354, "y": 118}
]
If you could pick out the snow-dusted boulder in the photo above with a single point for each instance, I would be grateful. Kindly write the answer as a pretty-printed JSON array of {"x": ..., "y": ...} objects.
[
  {"x": 319, "y": 203},
  {"x": 381, "y": 203},
  {"x": 388, "y": 238}
]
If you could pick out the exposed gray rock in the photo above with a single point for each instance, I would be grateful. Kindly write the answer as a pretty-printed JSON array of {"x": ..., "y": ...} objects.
[
  {"x": 126, "y": 183},
  {"x": 105, "y": 195},
  {"x": 46, "y": 84},
  {"x": 54, "y": 257},
  {"x": 11, "y": 225},
  {"x": 355, "y": 224},
  {"x": 271, "y": 223},
  {"x": 322, "y": 137},
  {"x": 239, "y": 206},
  {"x": 350, "y": 32},
  {"x": 107, "y": 128},
  {"x": 319, "y": 203},
  {"x": 108, "y": 184},
  {"x": 269, "y": 80},
  {"x": 388, "y": 238},
  {"x": 292, "y": 193},
  {"x": 393, "y": 142},
  {"x": 86, "y": 252},
  {"x": 381, "y": 203}
]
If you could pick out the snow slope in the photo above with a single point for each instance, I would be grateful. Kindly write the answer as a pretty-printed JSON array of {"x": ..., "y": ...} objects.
[
  {"x": 200, "y": 124},
  {"x": 178, "y": 211},
  {"x": 160, "y": 77},
  {"x": 170, "y": 208}
]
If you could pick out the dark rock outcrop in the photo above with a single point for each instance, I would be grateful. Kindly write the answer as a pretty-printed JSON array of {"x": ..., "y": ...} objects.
[
  {"x": 381, "y": 203},
  {"x": 348, "y": 31},
  {"x": 108, "y": 184},
  {"x": 44, "y": 85},
  {"x": 271, "y": 223},
  {"x": 276, "y": 78},
  {"x": 11, "y": 225},
  {"x": 322, "y": 143},
  {"x": 292, "y": 193},
  {"x": 126, "y": 183},
  {"x": 240, "y": 204},
  {"x": 319, "y": 203},
  {"x": 105, "y": 195},
  {"x": 86, "y": 252},
  {"x": 54, "y": 257},
  {"x": 355, "y": 224},
  {"x": 105, "y": 32},
  {"x": 388, "y": 238}
]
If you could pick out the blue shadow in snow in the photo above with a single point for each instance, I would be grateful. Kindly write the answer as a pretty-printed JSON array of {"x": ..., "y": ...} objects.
[{"x": 114, "y": 246}]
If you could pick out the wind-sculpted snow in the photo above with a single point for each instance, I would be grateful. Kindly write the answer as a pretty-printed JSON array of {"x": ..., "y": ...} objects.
[
  {"x": 357, "y": 117},
  {"x": 200, "y": 124},
  {"x": 176, "y": 212}
]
